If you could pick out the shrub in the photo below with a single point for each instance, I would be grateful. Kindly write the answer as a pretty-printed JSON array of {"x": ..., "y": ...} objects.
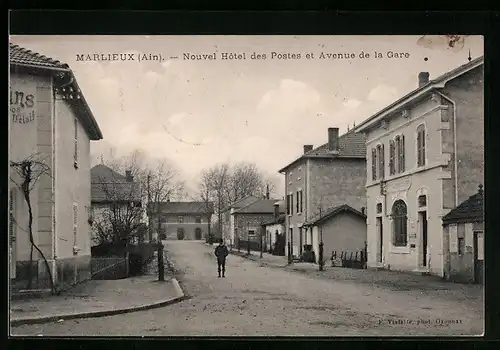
[{"x": 140, "y": 256}]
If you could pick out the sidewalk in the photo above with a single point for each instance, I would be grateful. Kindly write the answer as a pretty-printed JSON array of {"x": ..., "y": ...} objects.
[
  {"x": 382, "y": 279},
  {"x": 96, "y": 298}
]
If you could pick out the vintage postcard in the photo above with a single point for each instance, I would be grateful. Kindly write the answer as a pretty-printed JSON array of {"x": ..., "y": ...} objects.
[{"x": 246, "y": 185}]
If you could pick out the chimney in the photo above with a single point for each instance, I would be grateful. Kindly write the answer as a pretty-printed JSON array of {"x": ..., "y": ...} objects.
[
  {"x": 308, "y": 148},
  {"x": 276, "y": 211},
  {"x": 128, "y": 176},
  {"x": 333, "y": 139},
  {"x": 423, "y": 78}
]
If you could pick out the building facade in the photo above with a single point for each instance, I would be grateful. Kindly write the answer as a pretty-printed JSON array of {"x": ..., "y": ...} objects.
[
  {"x": 182, "y": 220},
  {"x": 274, "y": 240},
  {"x": 463, "y": 230},
  {"x": 424, "y": 156},
  {"x": 342, "y": 229},
  {"x": 323, "y": 178},
  {"x": 51, "y": 126},
  {"x": 228, "y": 226}
]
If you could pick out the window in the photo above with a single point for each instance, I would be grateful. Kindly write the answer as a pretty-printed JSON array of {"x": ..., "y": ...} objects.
[
  {"x": 374, "y": 164},
  {"x": 75, "y": 155},
  {"x": 163, "y": 219},
  {"x": 461, "y": 245},
  {"x": 12, "y": 226},
  {"x": 198, "y": 219},
  {"x": 400, "y": 219},
  {"x": 301, "y": 201},
  {"x": 75, "y": 223},
  {"x": 400, "y": 148},
  {"x": 392, "y": 158},
  {"x": 379, "y": 208},
  {"x": 380, "y": 159},
  {"x": 422, "y": 201},
  {"x": 297, "y": 202},
  {"x": 421, "y": 145},
  {"x": 251, "y": 232},
  {"x": 180, "y": 219},
  {"x": 288, "y": 204}
]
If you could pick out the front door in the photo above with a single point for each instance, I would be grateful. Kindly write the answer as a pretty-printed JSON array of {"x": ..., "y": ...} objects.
[
  {"x": 380, "y": 239},
  {"x": 478, "y": 256},
  {"x": 197, "y": 233},
  {"x": 423, "y": 228}
]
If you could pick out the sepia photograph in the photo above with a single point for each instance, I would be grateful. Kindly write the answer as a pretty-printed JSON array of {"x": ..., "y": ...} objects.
[{"x": 237, "y": 185}]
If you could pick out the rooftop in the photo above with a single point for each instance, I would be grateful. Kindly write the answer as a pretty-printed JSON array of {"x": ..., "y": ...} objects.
[
  {"x": 108, "y": 185},
  {"x": 332, "y": 212},
  {"x": 351, "y": 145},
  {"x": 260, "y": 206},
  {"x": 471, "y": 210},
  {"x": 186, "y": 207}
]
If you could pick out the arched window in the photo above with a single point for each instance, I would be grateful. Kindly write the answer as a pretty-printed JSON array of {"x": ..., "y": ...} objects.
[
  {"x": 400, "y": 223},
  {"x": 421, "y": 145}
]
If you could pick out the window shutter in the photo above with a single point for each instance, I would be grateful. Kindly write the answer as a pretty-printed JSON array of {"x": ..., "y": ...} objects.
[
  {"x": 391, "y": 157},
  {"x": 297, "y": 204},
  {"x": 291, "y": 204},
  {"x": 12, "y": 227},
  {"x": 382, "y": 162},
  {"x": 402, "y": 154},
  {"x": 374, "y": 164},
  {"x": 75, "y": 223}
]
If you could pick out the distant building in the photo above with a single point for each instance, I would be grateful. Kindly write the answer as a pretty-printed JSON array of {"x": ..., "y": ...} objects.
[
  {"x": 228, "y": 227},
  {"x": 325, "y": 177},
  {"x": 51, "y": 121},
  {"x": 182, "y": 220},
  {"x": 464, "y": 240},
  {"x": 274, "y": 239},
  {"x": 115, "y": 200},
  {"x": 425, "y": 155}
]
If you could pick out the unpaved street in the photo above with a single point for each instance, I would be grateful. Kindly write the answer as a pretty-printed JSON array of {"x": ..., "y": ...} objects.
[{"x": 255, "y": 300}]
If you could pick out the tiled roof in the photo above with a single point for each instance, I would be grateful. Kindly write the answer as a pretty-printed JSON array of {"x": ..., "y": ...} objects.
[
  {"x": 435, "y": 83},
  {"x": 332, "y": 212},
  {"x": 185, "y": 207},
  {"x": 273, "y": 221},
  {"x": 351, "y": 145},
  {"x": 471, "y": 210},
  {"x": 241, "y": 202},
  {"x": 19, "y": 55},
  {"x": 260, "y": 206},
  {"x": 108, "y": 185}
]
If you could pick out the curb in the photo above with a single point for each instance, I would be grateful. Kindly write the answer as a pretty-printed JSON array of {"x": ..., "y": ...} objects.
[{"x": 102, "y": 313}]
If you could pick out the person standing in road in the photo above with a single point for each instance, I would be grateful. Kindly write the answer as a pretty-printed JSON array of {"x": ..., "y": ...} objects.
[{"x": 221, "y": 253}]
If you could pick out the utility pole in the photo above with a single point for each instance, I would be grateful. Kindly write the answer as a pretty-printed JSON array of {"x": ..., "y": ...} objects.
[
  {"x": 261, "y": 229},
  {"x": 289, "y": 235},
  {"x": 161, "y": 266},
  {"x": 150, "y": 228}
]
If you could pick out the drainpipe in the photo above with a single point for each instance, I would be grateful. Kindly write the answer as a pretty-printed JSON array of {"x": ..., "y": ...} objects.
[{"x": 455, "y": 165}]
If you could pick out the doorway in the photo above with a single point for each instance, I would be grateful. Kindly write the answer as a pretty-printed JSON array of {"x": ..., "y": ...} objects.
[
  {"x": 197, "y": 233},
  {"x": 422, "y": 219},
  {"x": 478, "y": 256},
  {"x": 380, "y": 236},
  {"x": 180, "y": 233}
]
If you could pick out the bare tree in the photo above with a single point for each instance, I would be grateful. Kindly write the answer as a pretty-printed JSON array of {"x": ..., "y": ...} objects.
[
  {"x": 29, "y": 171},
  {"x": 119, "y": 214}
]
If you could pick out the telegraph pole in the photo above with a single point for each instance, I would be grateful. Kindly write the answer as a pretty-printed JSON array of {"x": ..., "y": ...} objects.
[
  {"x": 261, "y": 231},
  {"x": 150, "y": 228}
]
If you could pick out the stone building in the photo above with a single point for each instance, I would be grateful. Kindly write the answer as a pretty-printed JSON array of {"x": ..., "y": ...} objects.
[
  {"x": 50, "y": 123},
  {"x": 323, "y": 178},
  {"x": 463, "y": 230},
  {"x": 425, "y": 156},
  {"x": 274, "y": 239},
  {"x": 182, "y": 220}
]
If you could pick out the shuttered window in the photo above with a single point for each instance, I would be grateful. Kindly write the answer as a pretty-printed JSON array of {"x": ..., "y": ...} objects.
[
  {"x": 421, "y": 145},
  {"x": 392, "y": 156},
  {"x": 400, "y": 147},
  {"x": 75, "y": 223},
  {"x": 374, "y": 164},
  {"x": 12, "y": 225},
  {"x": 381, "y": 161},
  {"x": 75, "y": 155}
]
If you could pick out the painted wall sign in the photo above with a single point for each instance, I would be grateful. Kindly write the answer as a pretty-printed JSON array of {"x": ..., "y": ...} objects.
[{"x": 22, "y": 106}]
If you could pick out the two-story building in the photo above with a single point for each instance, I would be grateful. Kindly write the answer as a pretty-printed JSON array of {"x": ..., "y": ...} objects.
[
  {"x": 325, "y": 177},
  {"x": 116, "y": 203},
  {"x": 182, "y": 220},
  {"x": 50, "y": 127},
  {"x": 425, "y": 156},
  {"x": 228, "y": 227}
]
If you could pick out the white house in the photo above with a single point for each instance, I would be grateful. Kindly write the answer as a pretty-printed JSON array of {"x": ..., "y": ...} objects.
[{"x": 49, "y": 123}]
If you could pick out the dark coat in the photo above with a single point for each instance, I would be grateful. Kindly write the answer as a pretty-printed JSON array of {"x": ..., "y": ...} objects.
[{"x": 221, "y": 252}]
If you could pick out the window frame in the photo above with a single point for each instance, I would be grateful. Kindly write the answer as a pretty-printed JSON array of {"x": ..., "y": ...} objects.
[
  {"x": 374, "y": 164},
  {"x": 180, "y": 219},
  {"x": 421, "y": 145},
  {"x": 197, "y": 219},
  {"x": 399, "y": 224}
]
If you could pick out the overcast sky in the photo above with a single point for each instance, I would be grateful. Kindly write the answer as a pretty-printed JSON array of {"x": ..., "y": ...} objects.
[{"x": 199, "y": 113}]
